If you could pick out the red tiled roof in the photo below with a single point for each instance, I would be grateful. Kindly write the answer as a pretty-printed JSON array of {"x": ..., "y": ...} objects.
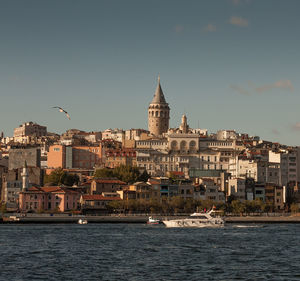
[
  {"x": 177, "y": 173},
  {"x": 50, "y": 189},
  {"x": 35, "y": 189},
  {"x": 99, "y": 197}
]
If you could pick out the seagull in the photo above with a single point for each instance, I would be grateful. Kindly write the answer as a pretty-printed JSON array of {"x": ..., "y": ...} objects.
[{"x": 62, "y": 110}]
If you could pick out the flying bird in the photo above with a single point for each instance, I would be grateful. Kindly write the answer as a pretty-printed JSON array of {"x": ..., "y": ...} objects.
[{"x": 62, "y": 110}]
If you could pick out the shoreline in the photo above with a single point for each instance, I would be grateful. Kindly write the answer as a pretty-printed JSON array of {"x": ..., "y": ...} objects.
[{"x": 142, "y": 219}]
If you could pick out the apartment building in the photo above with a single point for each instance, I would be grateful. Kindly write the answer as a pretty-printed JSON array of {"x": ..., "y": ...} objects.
[{"x": 84, "y": 157}]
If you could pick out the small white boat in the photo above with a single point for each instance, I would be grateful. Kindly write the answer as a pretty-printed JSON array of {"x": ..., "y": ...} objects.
[
  {"x": 82, "y": 221},
  {"x": 196, "y": 220},
  {"x": 151, "y": 220}
]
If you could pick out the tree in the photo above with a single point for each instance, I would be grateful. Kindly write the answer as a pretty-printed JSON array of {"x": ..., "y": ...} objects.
[
  {"x": 177, "y": 204},
  {"x": 3, "y": 208},
  {"x": 60, "y": 177},
  {"x": 237, "y": 207},
  {"x": 144, "y": 176},
  {"x": 155, "y": 206},
  {"x": 269, "y": 207},
  {"x": 115, "y": 205},
  {"x": 189, "y": 205},
  {"x": 294, "y": 208},
  {"x": 128, "y": 174},
  {"x": 104, "y": 173},
  {"x": 259, "y": 205}
]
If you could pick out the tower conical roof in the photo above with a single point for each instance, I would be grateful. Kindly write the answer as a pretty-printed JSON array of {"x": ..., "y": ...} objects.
[{"x": 158, "y": 96}]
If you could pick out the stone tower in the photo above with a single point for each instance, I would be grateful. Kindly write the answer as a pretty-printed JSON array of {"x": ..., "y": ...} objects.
[
  {"x": 184, "y": 127},
  {"x": 158, "y": 113},
  {"x": 25, "y": 178}
]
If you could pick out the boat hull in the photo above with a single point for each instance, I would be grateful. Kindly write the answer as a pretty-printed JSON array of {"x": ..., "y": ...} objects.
[{"x": 193, "y": 223}]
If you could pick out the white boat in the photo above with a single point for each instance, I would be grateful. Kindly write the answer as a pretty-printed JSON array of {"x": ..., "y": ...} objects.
[
  {"x": 151, "y": 220},
  {"x": 196, "y": 220},
  {"x": 82, "y": 221}
]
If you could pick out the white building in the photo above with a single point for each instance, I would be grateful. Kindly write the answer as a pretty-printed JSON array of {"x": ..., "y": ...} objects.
[
  {"x": 289, "y": 167},
  {"x": 260, "y": 171},
  {"x": 226, "y": 134},
  {"x": 113, "y": 134}
]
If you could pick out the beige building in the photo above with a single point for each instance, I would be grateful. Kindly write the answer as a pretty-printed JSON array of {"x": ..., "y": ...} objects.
[
  {"x": 260, "y": 171},
  {"x": 98, "y": 186},
  {"x": 144, "y": 191},
  {"x": 29, "y": 129},
  {"x": 275, "y": 196}
]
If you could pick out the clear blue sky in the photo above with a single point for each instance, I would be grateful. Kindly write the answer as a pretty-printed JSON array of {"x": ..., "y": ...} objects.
[{"x": 227, "y": 64}]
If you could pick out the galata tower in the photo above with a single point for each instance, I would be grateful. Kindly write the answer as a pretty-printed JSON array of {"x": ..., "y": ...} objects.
[{"x": 158, "y": 113}]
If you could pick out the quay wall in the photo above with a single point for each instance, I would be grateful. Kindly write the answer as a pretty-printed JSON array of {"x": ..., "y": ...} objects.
[{"x": 65, "y": 218}]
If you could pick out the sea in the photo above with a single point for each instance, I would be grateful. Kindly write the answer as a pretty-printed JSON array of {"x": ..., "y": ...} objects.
[{"x": 149, "y": 252}]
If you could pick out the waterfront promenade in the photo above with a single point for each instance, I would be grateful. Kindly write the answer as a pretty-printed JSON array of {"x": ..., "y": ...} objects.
[{"x": 65, "y": 218}]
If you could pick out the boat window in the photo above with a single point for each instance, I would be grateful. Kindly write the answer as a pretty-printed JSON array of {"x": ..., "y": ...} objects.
[{"x": 200, "y": 217}]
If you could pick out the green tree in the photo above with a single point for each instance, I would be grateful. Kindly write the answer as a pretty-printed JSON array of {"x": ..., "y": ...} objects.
[
  {"x": 132, "y": 205},
  {"x": 176, "y": 204},
  {"x": 155, "y": 206},
  {"x": 268, "y": 207},
  {"x": 3, "y": 208},
  {"x": 116, "y": 205},
  {"x": 104, "y": 173},
  {"x": 61, "y": 177},
  {"x": 189, "y": 206},
  {"x": 237, "y": 207},
  {"x": 294, "y": 208},
  {"x": 259, "y": 205},
  {"x": 128, "y": 174},
  {"x": 144, "y": 176}
]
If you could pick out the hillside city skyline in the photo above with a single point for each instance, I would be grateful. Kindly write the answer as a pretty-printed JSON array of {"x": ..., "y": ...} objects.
[
  {"x": 129, "y": 129},
  {"x": 157, "y": 98}
]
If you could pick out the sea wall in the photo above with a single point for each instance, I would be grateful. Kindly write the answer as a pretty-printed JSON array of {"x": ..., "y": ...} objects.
[{"x": 63, "y": 218}]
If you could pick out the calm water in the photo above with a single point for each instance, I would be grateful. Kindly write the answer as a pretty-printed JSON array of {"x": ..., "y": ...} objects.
[{"x": 141, "y": 252}]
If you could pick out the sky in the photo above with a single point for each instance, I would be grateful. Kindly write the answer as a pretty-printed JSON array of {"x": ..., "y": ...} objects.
[{"x": 226, "y": 64}]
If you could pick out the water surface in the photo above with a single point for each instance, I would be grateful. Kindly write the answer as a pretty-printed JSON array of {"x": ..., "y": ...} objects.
[{"x": 143, "y": 252}]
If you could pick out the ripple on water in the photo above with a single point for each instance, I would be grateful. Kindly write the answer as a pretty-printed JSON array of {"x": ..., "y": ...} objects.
[{"x": 139, "y": 252}]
